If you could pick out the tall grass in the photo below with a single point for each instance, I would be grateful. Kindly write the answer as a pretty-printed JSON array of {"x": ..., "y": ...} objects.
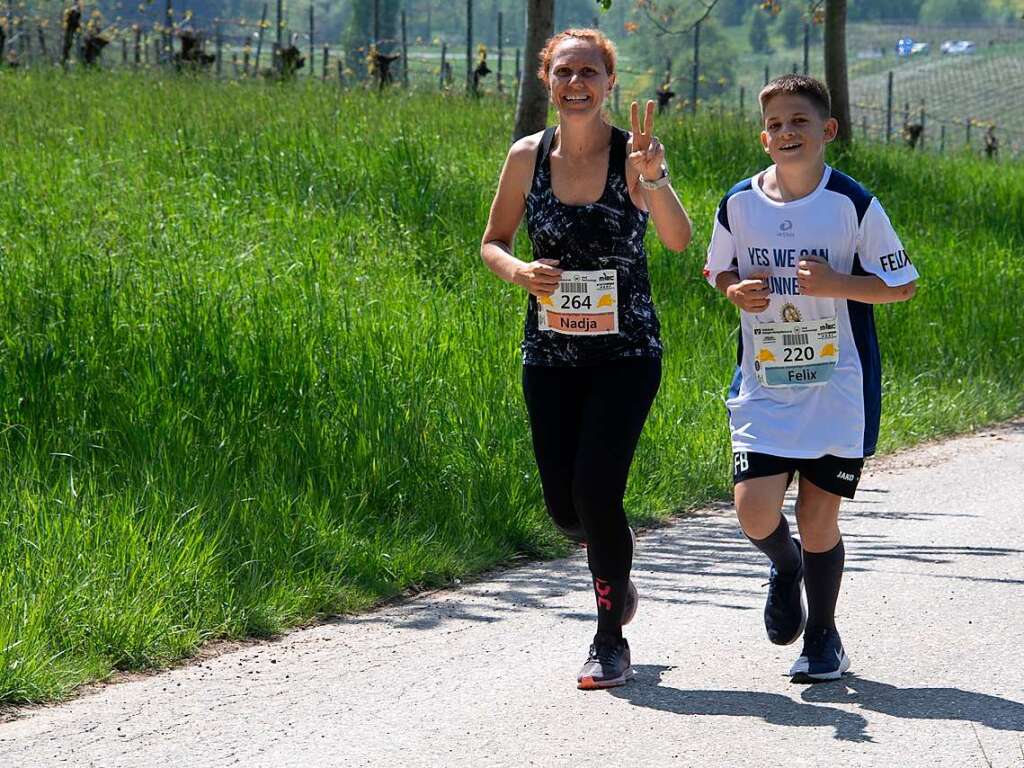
[{"x": 252, "y": 370}]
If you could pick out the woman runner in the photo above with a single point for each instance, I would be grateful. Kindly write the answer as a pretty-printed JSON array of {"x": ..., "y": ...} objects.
[{"x": 591, "y": 350}]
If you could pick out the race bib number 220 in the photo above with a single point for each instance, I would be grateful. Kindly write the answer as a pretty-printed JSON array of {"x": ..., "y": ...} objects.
[{"x": 585, "y": 303}]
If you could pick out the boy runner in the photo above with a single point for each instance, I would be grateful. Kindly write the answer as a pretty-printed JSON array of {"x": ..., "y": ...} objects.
[{"x": 805, "y": 252}]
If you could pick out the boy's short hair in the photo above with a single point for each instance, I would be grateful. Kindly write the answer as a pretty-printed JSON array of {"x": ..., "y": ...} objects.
[{"x": 810, "y": 88}]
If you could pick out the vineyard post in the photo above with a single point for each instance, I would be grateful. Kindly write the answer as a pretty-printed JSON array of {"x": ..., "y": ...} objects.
[
  {"x": 138, "y": 44},
  {"x": 341, "y": 71},
  {"x": 942, "y": 138},
  {"x": 743, "y": 93},
  {"x": 696, "y": 66},
  {"x": 501, "y": 50},
  {"x": 124, "y": 51},
  {"x": 277, "y": 39},
  {"x": 469, "y": 47},
  {"x": 220, "y": 48},
  {"x": 259, "y": 39},
  {"x": 888, "y": 109},
  {"x": 807, "y": 46},
  {"x": 517, "y": 74},
  {"x": 444, "y": 55},
  {"x": 168, "y": 47},
  {"x": 323, "y": 72},
  {"x": 405, "y": 54},
  {"x": 967, "y": 129}
]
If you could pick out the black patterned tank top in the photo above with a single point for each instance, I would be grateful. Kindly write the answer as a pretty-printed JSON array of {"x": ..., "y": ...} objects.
[{"x": 605, "y": 235}]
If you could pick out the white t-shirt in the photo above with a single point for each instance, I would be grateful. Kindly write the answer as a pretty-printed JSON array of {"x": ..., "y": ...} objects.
[{"x": 845, "y": 225}]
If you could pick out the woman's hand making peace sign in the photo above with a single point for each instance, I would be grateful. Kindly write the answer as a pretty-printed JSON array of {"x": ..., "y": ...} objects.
[{"x": 648, "y": 155}]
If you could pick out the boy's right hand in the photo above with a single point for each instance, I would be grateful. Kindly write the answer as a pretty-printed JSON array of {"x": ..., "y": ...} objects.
[
  {"x": 750, "y": 295},
  {"x": 539, "y": 277}
]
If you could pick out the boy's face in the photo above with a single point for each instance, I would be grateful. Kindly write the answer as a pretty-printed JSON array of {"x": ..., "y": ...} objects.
[{"x": 794, "y": 132}]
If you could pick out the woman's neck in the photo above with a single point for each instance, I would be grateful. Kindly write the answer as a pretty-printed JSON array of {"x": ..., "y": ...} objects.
[{"x": 582, "y": 138}]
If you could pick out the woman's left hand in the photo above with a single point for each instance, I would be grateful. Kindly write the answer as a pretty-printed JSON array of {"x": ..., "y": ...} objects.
[{"x": 648, "y": 155}]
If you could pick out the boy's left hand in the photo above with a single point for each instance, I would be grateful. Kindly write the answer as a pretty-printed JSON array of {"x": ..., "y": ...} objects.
[{"x": 815, "y": 277}]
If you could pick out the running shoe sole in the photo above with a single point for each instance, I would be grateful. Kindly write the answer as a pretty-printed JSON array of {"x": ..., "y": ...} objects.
[
  {"x": 590, "y": 684},
  {"x": 806, "y": 678}
]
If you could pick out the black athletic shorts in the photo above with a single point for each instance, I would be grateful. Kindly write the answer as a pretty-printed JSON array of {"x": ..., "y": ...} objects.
[{"x": 830, "y": 473}]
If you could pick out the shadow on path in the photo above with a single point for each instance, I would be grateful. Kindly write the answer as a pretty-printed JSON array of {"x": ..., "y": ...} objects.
[
  {"x": 925, "y": 703},
  {"x": 647, "y": 691}
]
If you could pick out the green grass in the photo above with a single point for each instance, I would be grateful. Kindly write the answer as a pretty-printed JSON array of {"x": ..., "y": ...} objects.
[{"x": 252, "y": 369}]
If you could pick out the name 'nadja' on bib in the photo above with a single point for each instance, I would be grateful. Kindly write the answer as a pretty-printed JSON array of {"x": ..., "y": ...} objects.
[{"x": 585, "y": 303}]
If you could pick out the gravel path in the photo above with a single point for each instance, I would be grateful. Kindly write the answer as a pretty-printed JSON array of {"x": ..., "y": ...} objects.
[{"x": 932, "y": 615}]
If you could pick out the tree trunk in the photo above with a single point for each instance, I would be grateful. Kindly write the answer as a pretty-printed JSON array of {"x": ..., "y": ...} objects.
[
  {"x": 835, "y": 66},
  {"x": 532, "y": 104}
]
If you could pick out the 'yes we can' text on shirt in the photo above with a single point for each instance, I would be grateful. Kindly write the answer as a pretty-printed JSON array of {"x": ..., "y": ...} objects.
[{"x": 843, "y": 224}]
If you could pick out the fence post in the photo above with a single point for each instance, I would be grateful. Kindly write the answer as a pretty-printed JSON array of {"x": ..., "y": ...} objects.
[
  {"x": 124, "y": 50},
  {"x": 501, "y": 51},
  {"x": 766, "y": 74},
  {"x": 743, "y": 92},
  {"x": 145, "y": 51},
  {"x": 518, "y": 74},
  {"x": 138, "y": 44},
  {"x": 807, "y": 46},
  {"x": 967, "y": 126},
  {"x": 323, "y": 70},
  {"x": 234, "y": 63},
  {"x": 259, "y": 40},
  {"x": 220, "y": 48},
  {"x": 444, "y": 55},
  {"x": 312, "y": 47},
  {"x": 341, "y": 71},
  {"x": 405, "y": 55},
  {"x": 942, "y": 138},
  {"x": 469, "y": 47},
  {"x": 42, "y": 42},
  {"x": 696, "y": 65},
  {"x": 888, "y": 109}
]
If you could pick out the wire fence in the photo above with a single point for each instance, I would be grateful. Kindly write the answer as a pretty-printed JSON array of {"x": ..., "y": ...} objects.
[{"x": 943, "y": 104}]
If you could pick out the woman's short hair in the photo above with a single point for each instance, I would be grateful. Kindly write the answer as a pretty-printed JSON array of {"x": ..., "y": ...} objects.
[{"x": 594, "y": 36}]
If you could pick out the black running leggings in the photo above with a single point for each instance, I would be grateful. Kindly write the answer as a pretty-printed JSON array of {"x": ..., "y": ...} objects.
[{"x": 586, "y": 422}]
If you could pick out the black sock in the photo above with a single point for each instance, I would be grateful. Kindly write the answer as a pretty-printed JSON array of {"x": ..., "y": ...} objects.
[
  {"x": 823, "y": 574},
  {"x": 780, "y": 548},
  {"x": 611, "y": 599}
]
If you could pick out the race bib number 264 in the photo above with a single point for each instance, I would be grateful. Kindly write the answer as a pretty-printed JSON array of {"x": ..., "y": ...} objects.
[{"x": 585, "y": 303}]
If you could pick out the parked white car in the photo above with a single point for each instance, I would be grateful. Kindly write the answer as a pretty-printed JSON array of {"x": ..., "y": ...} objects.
[{"x": 958, "y": 47}]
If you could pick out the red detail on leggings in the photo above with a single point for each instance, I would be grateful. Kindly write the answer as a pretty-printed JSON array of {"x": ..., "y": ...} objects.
[{"x": 603, "y": 589}]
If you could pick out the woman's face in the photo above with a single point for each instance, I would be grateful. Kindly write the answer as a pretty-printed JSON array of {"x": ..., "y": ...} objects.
[{"x": 578, "y": 80}]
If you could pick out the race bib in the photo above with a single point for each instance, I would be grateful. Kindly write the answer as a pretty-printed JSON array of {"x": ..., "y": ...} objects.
[
  {"x": 584, "y": 304},
  {"x": 801, "y": 354}
]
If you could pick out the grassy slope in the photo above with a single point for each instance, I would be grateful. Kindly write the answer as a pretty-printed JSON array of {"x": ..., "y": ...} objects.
[{"x": 251, "y": 369}]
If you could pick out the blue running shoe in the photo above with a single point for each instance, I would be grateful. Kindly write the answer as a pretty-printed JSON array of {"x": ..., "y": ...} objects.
[
  {"x": 823, "y": 657},
  {"x": 607, "y": 664},
  {"x": 785, "y": 611}
]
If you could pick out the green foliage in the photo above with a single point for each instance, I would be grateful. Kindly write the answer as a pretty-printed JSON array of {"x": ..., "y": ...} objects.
[
  {"x": 717, "y": 59},
  {"x": 758, "y": 34},
  {"x": 791, "y": 23},
  {"x": 252, "y": 369},
  {"x": 952, "y": 11}
]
